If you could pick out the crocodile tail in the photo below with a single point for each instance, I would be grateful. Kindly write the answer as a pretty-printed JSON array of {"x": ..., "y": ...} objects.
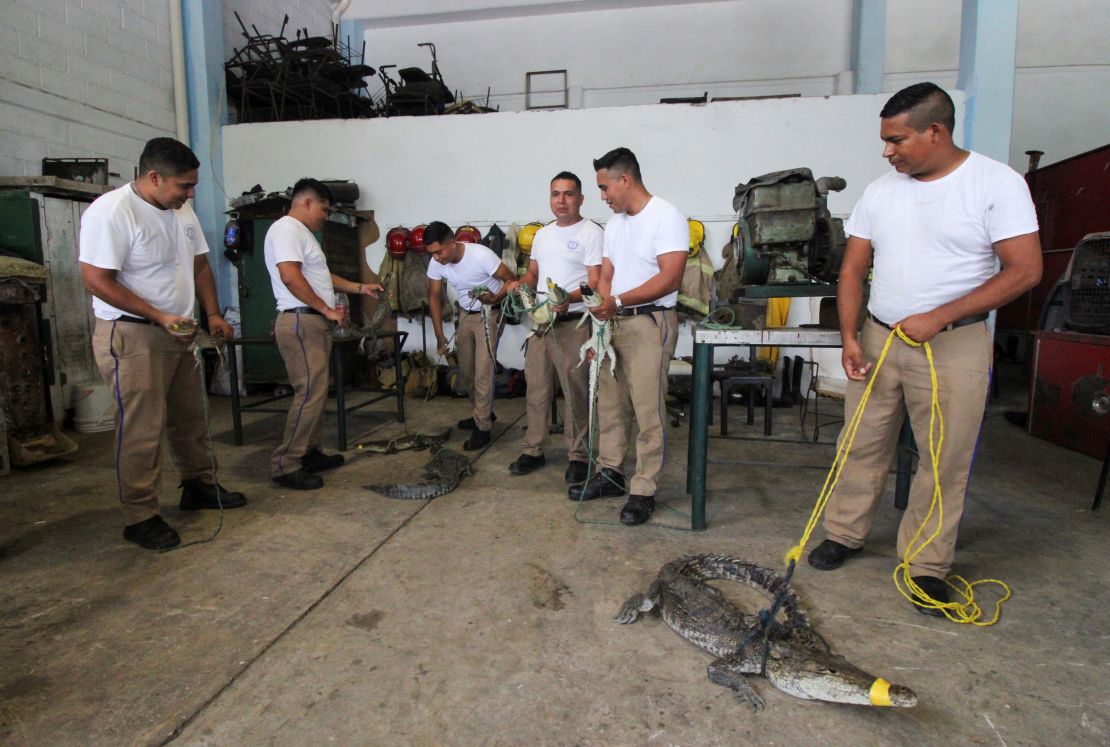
[
  {"x": 421, "y": 492},
  {"x": 759, "y": 577}
]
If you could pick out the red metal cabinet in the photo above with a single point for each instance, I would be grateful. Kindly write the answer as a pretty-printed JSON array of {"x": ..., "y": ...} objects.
[{"x": 1069, "y": 399}]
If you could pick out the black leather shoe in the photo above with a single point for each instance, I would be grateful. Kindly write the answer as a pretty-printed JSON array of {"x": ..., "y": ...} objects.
[
  {"x": 526, "y": 463},
  {"x": 197, "y": 494},
  {"x": 467, "y": 424},
  {"x": 477, "y": 440},
  {"x": 638, "y": 509},
  {"x": 577, "y": 472},
  {"x": 606, "y": 483},
  {"x": 829, "y": 555},
  {"x": 153, "y": 534},
  {"x": 935, "y": 588},
  {"x": 300, "y": 480},
  {"x": 315, "y": 460}
]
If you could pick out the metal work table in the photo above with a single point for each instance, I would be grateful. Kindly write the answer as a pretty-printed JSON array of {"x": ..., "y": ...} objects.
[
  {"x": 342, "y": 409},
  {"x": 705, "y": 340}
]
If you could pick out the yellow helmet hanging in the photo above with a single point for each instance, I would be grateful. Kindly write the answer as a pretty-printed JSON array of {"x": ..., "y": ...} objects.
[
  {"x": 697, "y": 236},
  {"x": 526, "y": 236}
]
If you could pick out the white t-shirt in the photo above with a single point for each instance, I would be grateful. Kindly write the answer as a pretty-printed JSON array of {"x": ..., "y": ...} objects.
[
  {"x": 932, "y": 241},
  {"x": 151, "y": 249},
  {"x": 476, "y": 267},
  {"x": 632, "y": 244},
  {"x": 289, "y": 240},
  {"x": 564, "y": 253}
]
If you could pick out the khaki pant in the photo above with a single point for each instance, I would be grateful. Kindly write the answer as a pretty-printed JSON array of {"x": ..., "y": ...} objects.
[
  {"x": 962, "y": 359},
  {"x": 157, "y": 385},
  {"x": 557, "y": 353},
  {"x": 304, "y": 341},
  {"x": 644, "y": 345},
  {"x": 476, "y": 365}
]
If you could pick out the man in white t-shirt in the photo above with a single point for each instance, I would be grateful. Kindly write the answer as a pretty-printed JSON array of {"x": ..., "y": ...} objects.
[
  {"x": 646, "y": 244},
  {"x": 467, "y": 266},
  {"x": 142, "y": 259},
  {"x": 304, "y": 289},
  {"x": 937, "y": 227},
  {"x": 568, "y": 252}
]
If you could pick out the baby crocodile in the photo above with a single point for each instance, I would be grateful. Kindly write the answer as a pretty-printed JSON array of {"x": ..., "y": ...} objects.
[
  {"x": 443, "y": 473},
  {"x": 797, "y": 661},
  {"x": 416, "y": 441}
]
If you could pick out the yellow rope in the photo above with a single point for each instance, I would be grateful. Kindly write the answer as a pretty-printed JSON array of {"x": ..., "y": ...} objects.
[{"x": 967, "y": 611}]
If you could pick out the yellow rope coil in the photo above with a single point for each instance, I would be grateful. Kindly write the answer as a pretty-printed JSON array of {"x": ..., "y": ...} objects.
[{"x": 966, "y": 611}]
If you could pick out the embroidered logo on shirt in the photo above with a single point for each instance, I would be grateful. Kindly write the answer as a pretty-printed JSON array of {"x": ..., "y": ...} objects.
[{"x": 572, "y": 245}]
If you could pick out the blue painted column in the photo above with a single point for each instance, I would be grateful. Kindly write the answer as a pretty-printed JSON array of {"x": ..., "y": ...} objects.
[
  {"x": 868, "y": 45},
  {"x": 988, "y": 52},
  {"x": 204, "y": 74}
]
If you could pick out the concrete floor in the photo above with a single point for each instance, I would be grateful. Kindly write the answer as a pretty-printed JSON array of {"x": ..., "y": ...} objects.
[{"x": 484, "y": 616}]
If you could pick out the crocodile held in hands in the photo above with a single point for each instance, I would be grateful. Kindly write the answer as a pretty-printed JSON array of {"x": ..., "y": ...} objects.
[
  {"x": 797, "y": 663},
  {"x": 443, "y": 473}
]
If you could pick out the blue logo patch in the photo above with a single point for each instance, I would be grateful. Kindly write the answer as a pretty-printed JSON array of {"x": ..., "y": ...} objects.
[{"x": 572, "y": 245}]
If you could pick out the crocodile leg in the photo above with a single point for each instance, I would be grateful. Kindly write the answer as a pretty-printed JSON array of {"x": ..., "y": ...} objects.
[
  {"x": 637, "y": 603},
  {"x": 728, "y": 672}
]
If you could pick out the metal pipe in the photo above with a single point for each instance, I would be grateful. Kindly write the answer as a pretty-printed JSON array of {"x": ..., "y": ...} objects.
[
  {"x": 338, "y": 7},
  {"x": 1034, "y": 159},
  {"x": 177, "y": 54}
]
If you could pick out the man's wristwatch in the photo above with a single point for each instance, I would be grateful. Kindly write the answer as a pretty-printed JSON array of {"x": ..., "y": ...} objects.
[{"x": 619, "y": 305}]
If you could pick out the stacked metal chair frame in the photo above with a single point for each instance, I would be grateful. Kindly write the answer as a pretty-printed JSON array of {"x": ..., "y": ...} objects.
[{"x": 274, "y": 79}]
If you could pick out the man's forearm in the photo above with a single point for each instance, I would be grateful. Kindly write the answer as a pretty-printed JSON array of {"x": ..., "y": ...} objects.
[
  {"x": 303, "y": 292},
  {"x": 996, "y": 292},
  {"x": 849, "y": 302}
]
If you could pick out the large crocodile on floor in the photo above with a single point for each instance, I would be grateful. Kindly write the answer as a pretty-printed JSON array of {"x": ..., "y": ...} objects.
[
  {"x": 797, "y": 660},
  {"x": 443, "y": 473}
]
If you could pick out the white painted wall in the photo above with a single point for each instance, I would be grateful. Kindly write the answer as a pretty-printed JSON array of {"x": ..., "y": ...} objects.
[
  {"x": 93, "y": 78},
  {"x": 83, "y": 79},
  {"x": 495, "y": 168},
  {"x": 620, "y": 53}
]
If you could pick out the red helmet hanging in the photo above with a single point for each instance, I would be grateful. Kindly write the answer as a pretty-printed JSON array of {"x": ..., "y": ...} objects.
[
  {"x": 397, "y": 242},
  {"x": 469, "y": 234},
  {"x": 416, "y": 240}
]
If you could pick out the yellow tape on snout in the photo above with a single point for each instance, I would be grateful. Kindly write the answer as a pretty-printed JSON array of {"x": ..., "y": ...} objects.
[{"x": 880, "y": 692}]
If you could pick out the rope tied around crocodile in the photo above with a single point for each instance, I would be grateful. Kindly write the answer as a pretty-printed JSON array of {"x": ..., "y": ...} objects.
[{"x": 966, "y": 611}]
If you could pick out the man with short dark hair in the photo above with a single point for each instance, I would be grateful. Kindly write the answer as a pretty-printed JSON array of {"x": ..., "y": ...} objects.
[
  {"x": 142, "y": 259},
  {"x": 646, "y": 245},
  {"x": 567, "y": 252},
  {"x": 937, "y": 227},
  {"x": 304, "y": 289},
  {"x": 468, "y": 266}
]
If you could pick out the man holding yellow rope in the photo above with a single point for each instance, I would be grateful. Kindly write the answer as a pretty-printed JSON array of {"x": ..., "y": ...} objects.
[{"x": 938, "y": 227}]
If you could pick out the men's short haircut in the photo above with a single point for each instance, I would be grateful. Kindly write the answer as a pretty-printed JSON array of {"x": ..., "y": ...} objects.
[
  {"x": 167, "y": 157},
  {"x": 621, "y": 160},
  {"x": 312, "y": 187},
  {"x": 437, "y": 232},
  {"x": 568, "y": 176},
  {"x": 926, "y": 103}
]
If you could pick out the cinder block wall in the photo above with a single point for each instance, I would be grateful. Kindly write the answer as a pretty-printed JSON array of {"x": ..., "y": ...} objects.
[{"x": 84, "y": 78}]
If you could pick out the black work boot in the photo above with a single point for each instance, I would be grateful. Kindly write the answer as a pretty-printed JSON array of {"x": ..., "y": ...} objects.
[
  {"x": 638, "y": 509},
  {"x": 936, "y": 589},
  {"x": 477, "y": 440},
  {"x": 526, "y": 463},
  {"x": 153, "y": 534},
  {"x": 196, "y": 494},
  {"x": 315, "y": 460},
  {"x": 467, "y": 424},
  {"x": 300, "y": 480},
  {"x": 606, "y": 483},
  {"x": 577, "y": 472},
  {"x": 830, "y": 555}
]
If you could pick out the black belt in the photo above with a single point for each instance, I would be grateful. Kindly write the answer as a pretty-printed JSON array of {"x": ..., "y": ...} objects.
[
  {"x": 569, "y": 317},
  {"x": 468, "y": 311},
  {"x": 301, "y": 310},
  {"x": 133, "y": 320},
  {"x": 645, "y": 309},
  {"x": 946, "y": 328}
]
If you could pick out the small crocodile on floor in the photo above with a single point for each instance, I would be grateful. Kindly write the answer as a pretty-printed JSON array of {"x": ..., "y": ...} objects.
[
  {"x": 443, "y": 473},
  {"x": 415, "y": 441},
  {"x": 798, "y": 661}
]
